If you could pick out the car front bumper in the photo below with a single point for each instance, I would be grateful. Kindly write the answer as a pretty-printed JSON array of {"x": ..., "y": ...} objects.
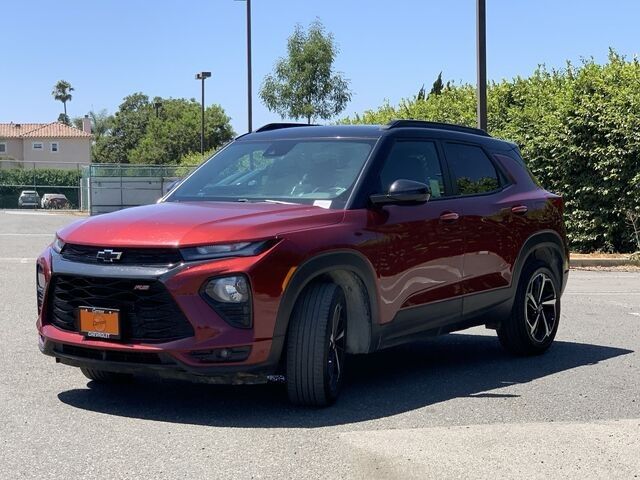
[{"x": 175, "y": 358}]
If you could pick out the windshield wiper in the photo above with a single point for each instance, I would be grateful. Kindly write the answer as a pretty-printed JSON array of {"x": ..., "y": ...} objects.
[
  {"x": 280, "y": 202},
  {"x": 265, "y": 200}
]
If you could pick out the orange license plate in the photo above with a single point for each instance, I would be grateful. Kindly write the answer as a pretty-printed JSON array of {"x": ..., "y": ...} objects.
[{"x": 101, "y": 323}]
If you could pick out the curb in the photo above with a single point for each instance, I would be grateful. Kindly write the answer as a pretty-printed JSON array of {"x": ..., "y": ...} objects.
[{"x": 603, "y": 262}]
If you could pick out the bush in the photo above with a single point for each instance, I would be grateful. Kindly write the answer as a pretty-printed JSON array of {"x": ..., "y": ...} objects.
[{"x": 578, "y": 129}]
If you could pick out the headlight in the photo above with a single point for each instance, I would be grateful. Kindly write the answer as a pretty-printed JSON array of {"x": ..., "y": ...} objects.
[
  {"x": 57, "y": 245},
  {"x": 230, "y": 297},
  {"x": 239, "y": 249},
  {"x": 41, "y": 281}
]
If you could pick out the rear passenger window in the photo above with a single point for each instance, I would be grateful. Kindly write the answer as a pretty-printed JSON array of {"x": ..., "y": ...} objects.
[
  {"x": 472, "y": 170},
  {"x": 413, "y": 160}
]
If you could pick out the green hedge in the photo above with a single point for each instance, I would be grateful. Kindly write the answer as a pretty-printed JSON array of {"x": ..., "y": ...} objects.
[{"x": 579, "y": 131}]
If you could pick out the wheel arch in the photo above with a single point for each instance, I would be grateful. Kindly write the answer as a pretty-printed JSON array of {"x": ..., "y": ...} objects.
[
  {"x": 546, "y": 246},
  {"x": 355, "y": 275}
]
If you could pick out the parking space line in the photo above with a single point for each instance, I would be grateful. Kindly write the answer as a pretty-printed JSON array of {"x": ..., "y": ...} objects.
[
  {"x": 26, "y": 235},
  {"x": 589, "y": 294},
  {"x": 17, "y": 260},
  {"x": 8, "y": 212}
]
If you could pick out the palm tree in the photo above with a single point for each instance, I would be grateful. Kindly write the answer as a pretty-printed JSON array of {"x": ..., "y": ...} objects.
[{"x": 62, "y": 92}]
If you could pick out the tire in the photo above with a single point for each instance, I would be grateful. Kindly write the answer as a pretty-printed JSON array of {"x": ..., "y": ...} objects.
[
  {"x": 316, "y": 345},
  {"x": 533, "y": 324},
  {"x": 103, "y": 376}
]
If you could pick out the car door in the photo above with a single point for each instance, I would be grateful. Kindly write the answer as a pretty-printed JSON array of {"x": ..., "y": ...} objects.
[
  {"x": 420, "y": 264},
  {"x": 489, "y": 241}
]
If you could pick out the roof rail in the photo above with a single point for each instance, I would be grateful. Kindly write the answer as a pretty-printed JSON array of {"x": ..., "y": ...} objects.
[
  {"x": 438, "y": 125},
  {"x": 277, "y": 126}
]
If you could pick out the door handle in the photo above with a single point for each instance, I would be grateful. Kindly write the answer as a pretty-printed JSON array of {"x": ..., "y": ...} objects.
[
  {"x": 449, "y": 217},
  {"x": 519, "y": 209}
]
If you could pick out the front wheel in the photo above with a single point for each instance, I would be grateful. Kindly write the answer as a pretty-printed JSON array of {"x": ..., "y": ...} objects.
[
  {"x": 316, "y": 346},
  {"x": 533, "y": 323}
]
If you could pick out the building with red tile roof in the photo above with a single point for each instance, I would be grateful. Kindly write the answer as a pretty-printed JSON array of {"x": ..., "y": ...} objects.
[{"x": 45, "y": 145}]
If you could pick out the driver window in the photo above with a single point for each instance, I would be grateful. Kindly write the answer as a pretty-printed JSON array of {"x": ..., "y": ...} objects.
[{"x": 413, "y": 160}]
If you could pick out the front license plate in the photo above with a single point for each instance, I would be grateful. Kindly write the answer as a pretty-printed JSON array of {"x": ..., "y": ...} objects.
[{"x": 101, "y": 323}]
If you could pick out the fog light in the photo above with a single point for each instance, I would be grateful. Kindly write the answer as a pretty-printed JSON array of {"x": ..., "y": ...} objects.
[
  {"x": 228, "y": 289},
  {"x": 218, "y": 355}
]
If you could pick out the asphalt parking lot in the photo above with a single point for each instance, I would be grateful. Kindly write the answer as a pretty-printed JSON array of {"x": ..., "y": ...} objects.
[{"x": 452, "y": 407}]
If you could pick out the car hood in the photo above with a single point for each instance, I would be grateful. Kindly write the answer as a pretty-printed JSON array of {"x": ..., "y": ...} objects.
[{"x": 182, "y": 224}]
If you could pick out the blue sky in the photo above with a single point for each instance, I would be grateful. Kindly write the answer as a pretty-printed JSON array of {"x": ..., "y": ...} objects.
[{"x": 109, "y": 49}]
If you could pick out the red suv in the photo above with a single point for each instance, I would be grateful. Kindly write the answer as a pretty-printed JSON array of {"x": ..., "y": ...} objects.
[{"x": 296, "y": 245}]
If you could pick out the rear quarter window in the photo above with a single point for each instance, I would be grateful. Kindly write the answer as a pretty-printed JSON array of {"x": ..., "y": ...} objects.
[{"x": 473, "y": 172}]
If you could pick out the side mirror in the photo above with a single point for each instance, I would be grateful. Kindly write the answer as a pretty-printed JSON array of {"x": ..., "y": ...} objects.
[{"x": 403, "y": 192}]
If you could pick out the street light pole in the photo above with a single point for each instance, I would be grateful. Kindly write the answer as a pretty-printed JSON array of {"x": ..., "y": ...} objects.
[
  {"x": 249, "y": 81},
  {"x": 249, "y": 95},
  {"x": 202, "y": 76},
  {"x": 481, "y": 44}
]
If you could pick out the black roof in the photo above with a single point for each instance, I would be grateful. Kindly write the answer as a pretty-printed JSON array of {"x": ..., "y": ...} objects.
[
  {"x": 314, "y": 131},
  {"x": 282, "y": 131},
  {"x": 436, "y": 125}
]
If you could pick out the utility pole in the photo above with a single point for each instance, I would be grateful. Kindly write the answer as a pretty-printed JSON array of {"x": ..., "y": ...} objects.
[{"x": 481, "y": 44}]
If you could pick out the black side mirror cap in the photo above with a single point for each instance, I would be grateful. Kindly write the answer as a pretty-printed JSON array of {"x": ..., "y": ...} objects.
[{"x": 403, "y": 192}]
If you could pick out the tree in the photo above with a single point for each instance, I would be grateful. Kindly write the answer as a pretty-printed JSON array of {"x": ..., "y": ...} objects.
[
  {"x": 176, "y": 132},
  {"x": 304, "y": 85},
  {"x": 436, "y": 89},
  {"x": 129, "y": 125},
  {"x": 100, "y": 123},
  {"x": 438, "y": 86},
  {"x": 64, "y": 118},
  {"x": 136, "y": 135},
  {"x": 62, "y": 93}
]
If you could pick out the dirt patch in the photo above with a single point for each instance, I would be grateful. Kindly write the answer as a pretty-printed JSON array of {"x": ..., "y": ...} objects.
[
  {"x": 619, "y": 268},
  {"x": 622, "y": 256}
]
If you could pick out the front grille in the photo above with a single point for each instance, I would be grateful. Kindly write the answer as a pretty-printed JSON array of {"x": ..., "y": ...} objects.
[
  {"x": 108, "y": 355},
  {"x": 130, "y": 256},
  {"x": 145, "y": 315}
]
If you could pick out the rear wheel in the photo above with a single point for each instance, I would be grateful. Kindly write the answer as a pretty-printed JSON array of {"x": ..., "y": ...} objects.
[
  {"x": 103, "y": 376},
  {"x": 316, "y": 346},
  {"x": 533, "y": 322}
]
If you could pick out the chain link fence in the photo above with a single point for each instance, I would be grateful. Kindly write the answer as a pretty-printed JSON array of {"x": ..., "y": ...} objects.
[
  {"x": 95, "y": 188},
  {"x": 53, "y": 179}
]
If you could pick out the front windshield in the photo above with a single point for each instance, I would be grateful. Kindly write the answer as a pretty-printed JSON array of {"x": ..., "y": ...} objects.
[{"x": 293, "y": 171}]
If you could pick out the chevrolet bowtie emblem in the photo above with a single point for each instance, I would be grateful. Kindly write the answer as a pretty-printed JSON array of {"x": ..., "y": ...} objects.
[{"x": 108, "y": 255}]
